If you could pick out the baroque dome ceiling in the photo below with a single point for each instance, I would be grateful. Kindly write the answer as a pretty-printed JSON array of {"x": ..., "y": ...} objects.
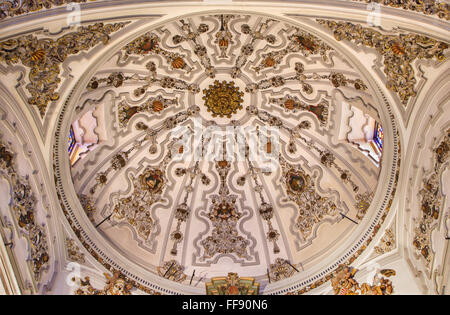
[
  {"x": 155, "y": 147},
  {"x": 218, "y": 149}
]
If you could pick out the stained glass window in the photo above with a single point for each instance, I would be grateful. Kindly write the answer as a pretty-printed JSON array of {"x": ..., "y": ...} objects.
[
  {"x": 378, "y": 136},
  {"x": 71, "y": 140}
]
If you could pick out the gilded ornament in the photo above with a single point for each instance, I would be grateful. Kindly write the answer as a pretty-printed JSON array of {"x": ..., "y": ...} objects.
[
  {"x": 399, "y": 52},
  {"x": 178, "y": 63},
  {"x": 428, "y": 7},
  {"x": 38, "y": 55},
  {"x": 23, "y": 203},
  {"x": 44, "y": 56},
  {"x": 224, "y": 216},
  {"x": 172, "y": 270},
  {"x": 344, "y": 283},
  {"x": 115, "y": 285},
  {"x": 280, "y": 269},
  {"x": 289, "y": 104},
  {"x": 224, "y": 36},
  {"x": 232, "y": 285},
  {"x": 223, "y": 99},
  {"x": 223, "y": 43},
  {"x": 398, "y": 49},
  {"x": 312, "y": 208},
  {"x": 431, "y": 202},
  {"x": 269, "y": 62},
  {"x": 149, "y": 45},
  {"x": 158, "y": 106},
  {"x": 13, "y": 8}
]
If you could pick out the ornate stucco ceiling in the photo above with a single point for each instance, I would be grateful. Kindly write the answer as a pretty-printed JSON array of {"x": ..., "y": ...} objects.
[
  {"x": 272, "y": 187},
  {"x": 227, "y": 140}
]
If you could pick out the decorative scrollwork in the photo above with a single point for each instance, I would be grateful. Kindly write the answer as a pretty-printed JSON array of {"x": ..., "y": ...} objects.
[
  {"x": 19, "y": 7},
  {"x": 429, "y": 7},
  {"x": 73, "y": 251},
  {"x": 152, "y": 105},
  {"x": 224, "y": 37},
  {"x": 223, "y": 99},
  {"x": 44, "y": 56},
  {"x": 115, "y": 285},
  {"x": 312, "y": 207},
  {"x": 293, "y": 103},
  {"x": 398, "y": 52},
  {"x": 172, "y": 270},
  {"x": 23, "y": 205},
  {"x": 280, "y": 270},
  {"x": 344, "y": 283},
  {"x": 135, "y": 209},
  {"x": 149, "y": 43},
  {"x": 224, "y": 216},
  {"x": 302, "y": 42},
  {"x": 387, "y": 243},
  {"x": 232, "y": 285},
  {"x": 431, "y": 203}
]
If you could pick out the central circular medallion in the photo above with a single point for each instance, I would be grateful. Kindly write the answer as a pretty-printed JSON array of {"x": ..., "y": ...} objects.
[{"x": 223, "y": 99}]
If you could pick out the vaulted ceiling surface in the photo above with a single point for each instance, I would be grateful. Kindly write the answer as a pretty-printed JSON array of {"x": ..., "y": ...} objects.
[{"x": 226, "y": 141}]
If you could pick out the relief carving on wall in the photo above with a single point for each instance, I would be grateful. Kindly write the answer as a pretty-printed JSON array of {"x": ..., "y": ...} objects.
[
  {"x": 87, "y": 203},
  {"x": 335, "y": 78},
  {"x": 428, "y": 7},
  {"x": 19, "y": 7},
  {"x": 344, "y": 283},
  {"x": 115, "y": 285},
  {"x": 117, "y": 79},
  {"x": 224, "y": 38},
  {"x": 73, "y": 251},
  {"x": 431, "y": 203},
  {"x": 256, "y": 34},
  {"x": 135, "y": 209},
  {"x": 23, "y": 203},
  {"x": 149, "y": 44},
  {"x": 302, "y": 42},
  {"x": 153, "y": 105},
  {"x": 399, "y": 52},
  {"x": 327, "y": 158},
  {"x": 293, "y": 103},
  {"x": 44, "y": 56},
  {"x": 266, "y": 210},
  {"x": 362, "y": 204}
]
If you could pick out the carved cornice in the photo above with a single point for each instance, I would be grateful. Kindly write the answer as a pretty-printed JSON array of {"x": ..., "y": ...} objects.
[
  {"x": 431, "y": 203},
  {"x": 430, "y": 7},
  {"x": 344, "y": 283},
  {"x": 9, "y": 8}
]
